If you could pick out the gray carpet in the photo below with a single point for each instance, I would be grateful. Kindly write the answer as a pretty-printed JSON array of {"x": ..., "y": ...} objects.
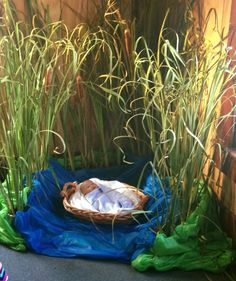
[{"x": 32, "y": 267}]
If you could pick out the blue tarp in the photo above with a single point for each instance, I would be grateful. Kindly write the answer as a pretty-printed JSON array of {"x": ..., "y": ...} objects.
[{"x": 50, "y": 230}]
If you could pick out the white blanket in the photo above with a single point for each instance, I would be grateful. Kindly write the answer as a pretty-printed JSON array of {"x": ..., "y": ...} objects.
[{"x": 110, "y": 197}]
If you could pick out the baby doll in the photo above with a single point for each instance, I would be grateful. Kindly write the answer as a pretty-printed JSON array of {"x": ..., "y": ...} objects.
[
  {"x": 87, "y": 186},
  {"x": 99, "y": 196}
]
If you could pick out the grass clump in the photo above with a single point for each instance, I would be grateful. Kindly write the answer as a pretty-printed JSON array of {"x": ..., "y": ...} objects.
[
  {"x": 37, "y": 78},
  {"x": 173, "y": 111}
]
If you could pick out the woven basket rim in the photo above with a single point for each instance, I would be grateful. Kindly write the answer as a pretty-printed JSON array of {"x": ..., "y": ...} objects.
[{"x": 102, "y": 217}]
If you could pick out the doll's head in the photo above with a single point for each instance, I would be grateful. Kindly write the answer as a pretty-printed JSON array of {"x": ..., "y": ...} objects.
[{"x": 87, "y": 186}]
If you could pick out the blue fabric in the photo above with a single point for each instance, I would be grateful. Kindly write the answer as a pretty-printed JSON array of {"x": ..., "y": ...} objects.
[{"x": 49, "y": 229}]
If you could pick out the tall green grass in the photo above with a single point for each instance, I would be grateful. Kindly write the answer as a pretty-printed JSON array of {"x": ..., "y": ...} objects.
[
  {"x": 178, "y": 90},
  {"x": 37, "y": 78},
  {"x": 98, "y": 115},
  {"x": 50, "y": 103}
]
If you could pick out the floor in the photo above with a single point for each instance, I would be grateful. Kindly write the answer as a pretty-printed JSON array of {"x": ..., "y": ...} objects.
[{"x": 32, "y": 267}]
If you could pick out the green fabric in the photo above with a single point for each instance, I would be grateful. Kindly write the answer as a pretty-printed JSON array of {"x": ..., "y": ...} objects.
[
  {"x": 197, "y": 244},
  {"x": 8, "y": 235}
]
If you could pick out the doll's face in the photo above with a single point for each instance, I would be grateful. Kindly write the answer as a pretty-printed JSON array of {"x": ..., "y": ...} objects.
[{"x": 87, "y": 186}]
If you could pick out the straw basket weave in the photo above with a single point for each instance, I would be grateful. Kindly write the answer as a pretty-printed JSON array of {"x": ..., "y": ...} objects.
[{"x": 103, "y": 218}]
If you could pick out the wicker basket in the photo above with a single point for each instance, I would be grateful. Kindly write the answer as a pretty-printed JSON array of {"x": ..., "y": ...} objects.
[{"x": 102, "y": 218}]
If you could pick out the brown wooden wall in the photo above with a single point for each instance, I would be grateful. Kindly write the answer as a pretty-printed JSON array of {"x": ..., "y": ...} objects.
[
  {"x": 70, "y": 11},
  {"x": 224, "y": 179},
  {"x": 148, "y": 14}
]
